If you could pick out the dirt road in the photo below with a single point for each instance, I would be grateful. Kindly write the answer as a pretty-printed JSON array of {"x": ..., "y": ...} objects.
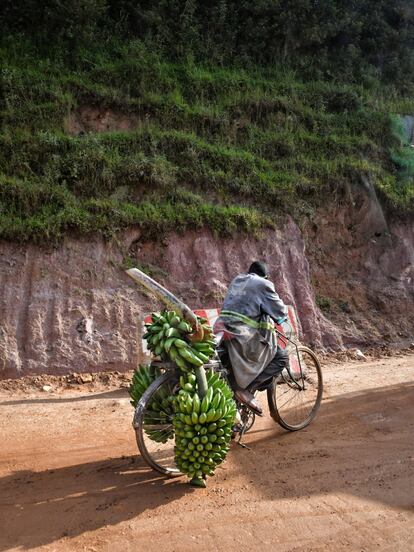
[{"x": 70, "y": 477}]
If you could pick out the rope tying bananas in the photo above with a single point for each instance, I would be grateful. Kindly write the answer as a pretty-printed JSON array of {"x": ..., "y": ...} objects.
[{"x": 204, "y": 409}]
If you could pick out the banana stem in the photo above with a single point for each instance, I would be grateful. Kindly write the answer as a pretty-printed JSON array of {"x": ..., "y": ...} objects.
[{"x": 201, "y": 381}]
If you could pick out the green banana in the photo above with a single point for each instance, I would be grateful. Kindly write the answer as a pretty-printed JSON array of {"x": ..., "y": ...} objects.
[
  {"x": 173, "y": 353},
  {"x": 189, "y": 356},
  {"x": 189, "y": 406},
  {"x": 175, "y": 321},
  {"x": 158, "y": 350},
  {"x": 172, "y": 332},
  {"x": 210, "y": 415},
  {"x": 181, "y": 363},
  {"x": 168, "y": 344},
  {"x": 180, "y": 344},
  {"x": 155, "y": 329},
  {"x": 205, "y": 402},
  {"x": 196, "y": 403},
  {"x": 184, "y": 327},
  {"x": 198, "y": 354}
]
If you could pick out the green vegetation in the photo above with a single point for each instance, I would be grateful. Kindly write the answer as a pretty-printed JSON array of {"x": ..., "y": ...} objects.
[
  {"x": 189, "y": 143},
  {"x": 324, "y": 303},
  {"x": 329, "y": 306},
  {"x": 353, "y": 41}
]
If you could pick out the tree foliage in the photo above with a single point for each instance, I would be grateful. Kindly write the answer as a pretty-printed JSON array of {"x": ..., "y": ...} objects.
[{"x": 320, "y": 37}]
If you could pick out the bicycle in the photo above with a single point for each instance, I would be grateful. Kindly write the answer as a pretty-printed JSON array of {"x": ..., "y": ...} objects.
[{"x": 294, "y": 397}]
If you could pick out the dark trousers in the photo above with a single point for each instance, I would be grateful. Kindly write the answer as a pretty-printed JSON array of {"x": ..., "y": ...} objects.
[{"x": 274, "y": 368}]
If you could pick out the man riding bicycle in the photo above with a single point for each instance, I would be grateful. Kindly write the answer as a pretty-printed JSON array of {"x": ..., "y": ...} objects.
[{"x": 249, "y": 343}]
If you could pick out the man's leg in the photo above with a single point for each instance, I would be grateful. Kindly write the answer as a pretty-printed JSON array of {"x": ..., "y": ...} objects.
[
  {"x": 243, "y": 395},
  {"x": 274, "y": 368}
]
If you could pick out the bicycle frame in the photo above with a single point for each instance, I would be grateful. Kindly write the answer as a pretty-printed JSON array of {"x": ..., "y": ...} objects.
[{"x": 286, "y": 338}]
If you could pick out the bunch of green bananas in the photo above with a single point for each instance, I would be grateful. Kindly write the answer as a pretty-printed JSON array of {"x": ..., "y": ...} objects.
[
  {"x": 169, "y": 337},
  {"x": 143, "y": 376},
  {"x": 158, "y": 417},
  {"x": 202, "y": 427}
]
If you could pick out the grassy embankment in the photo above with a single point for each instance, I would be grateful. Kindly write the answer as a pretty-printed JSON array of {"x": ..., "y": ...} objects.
[{"x": 222, "y": 148}]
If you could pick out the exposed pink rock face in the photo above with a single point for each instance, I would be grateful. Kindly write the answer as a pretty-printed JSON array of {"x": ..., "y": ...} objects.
[
  {"x": 364, "y": 264},
  {"x": 66, "y": 309},
  {"x": 73, "y": 309},
  {"x": 201, "y": 267}
]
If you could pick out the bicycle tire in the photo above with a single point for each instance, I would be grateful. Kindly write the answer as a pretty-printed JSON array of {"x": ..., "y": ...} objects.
[
  {"x": 272, "y": 392},
  {"x": 167, "y": 467}
]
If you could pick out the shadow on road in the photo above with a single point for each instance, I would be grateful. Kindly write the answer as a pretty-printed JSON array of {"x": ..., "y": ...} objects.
[
  {"x": 361, "y": 443},
  {"x": 115, "y": 394},
  {"x": 37, "y": 508}
]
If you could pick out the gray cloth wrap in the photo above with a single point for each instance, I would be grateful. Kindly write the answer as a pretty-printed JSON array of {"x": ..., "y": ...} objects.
[{"x": 251, "y": 349}]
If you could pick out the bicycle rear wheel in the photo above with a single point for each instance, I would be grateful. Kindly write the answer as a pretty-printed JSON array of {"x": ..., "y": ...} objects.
[
  {"x": 153, "y": 425},
  {"x": 294, "y": 400}
]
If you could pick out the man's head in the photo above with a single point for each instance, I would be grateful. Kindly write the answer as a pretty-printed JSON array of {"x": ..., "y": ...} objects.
[{"x": 259, "y": 268}]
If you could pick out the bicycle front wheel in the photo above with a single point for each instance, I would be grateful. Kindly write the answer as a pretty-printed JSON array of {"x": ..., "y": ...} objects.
[
  {"x": 295, "y": 395},
  {"x": 153, "y": 425}
]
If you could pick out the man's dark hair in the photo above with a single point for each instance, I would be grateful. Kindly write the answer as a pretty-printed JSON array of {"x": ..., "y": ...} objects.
[{"x": 259, "y": 268}]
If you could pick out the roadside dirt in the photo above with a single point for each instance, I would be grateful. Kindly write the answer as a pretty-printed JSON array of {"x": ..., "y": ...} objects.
[{"x": 71, "y": 478}]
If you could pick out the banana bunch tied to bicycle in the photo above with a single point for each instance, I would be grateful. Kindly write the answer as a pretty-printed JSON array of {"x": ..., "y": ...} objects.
[
  {"x": 167, "y": 338},
  {"x": 202, "y": 426},
  {"x": 203, "y": 411}
]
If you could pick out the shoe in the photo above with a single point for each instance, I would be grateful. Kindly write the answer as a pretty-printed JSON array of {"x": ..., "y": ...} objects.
[{"x": 245, "y": 397}]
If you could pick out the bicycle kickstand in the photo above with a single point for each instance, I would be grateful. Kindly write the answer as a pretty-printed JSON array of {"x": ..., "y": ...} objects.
[{"x": 240, "y": 438}]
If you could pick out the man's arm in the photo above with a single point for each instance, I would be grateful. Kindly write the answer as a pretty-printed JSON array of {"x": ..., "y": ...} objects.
[{"x": 272, "y": 304}]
